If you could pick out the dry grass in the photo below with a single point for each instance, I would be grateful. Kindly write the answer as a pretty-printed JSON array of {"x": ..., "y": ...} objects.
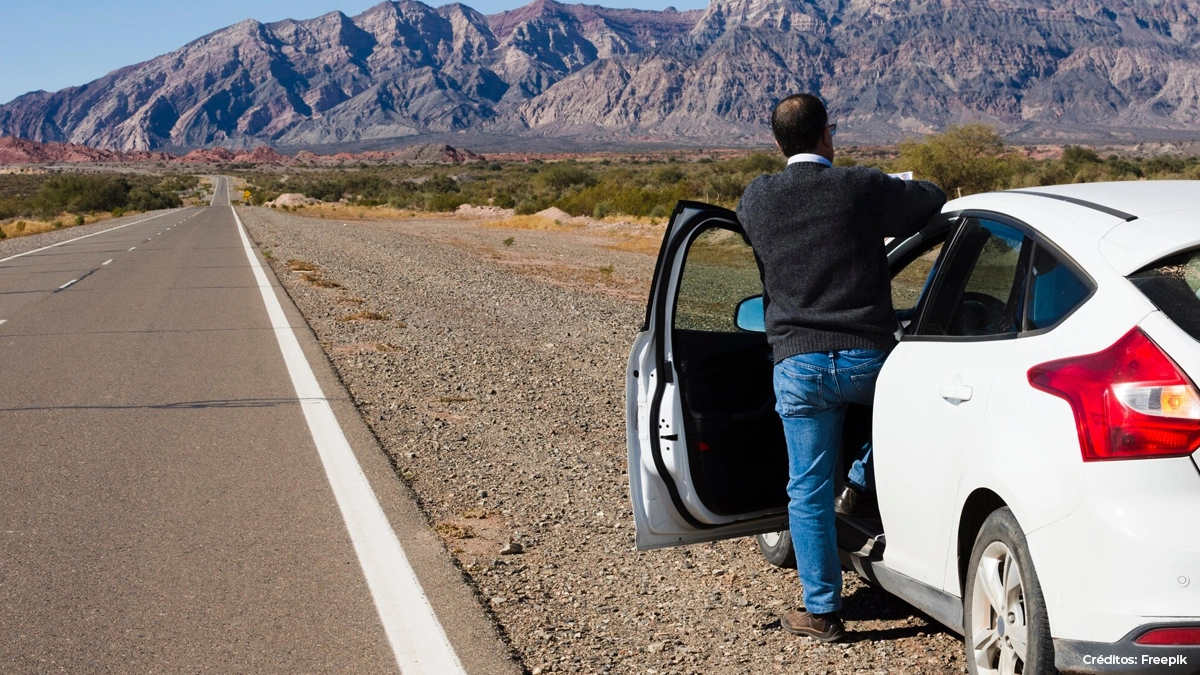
[
  {"x": 454, "y": 531},
  {"x": 350, "y": 301},
  {"x": 346, "y": 212},
  {"x": 364, "y": 315},
  {"x": 22, "y": 227},
  {"x": 475, "y": 514},
  {"x": 301, "y": 266},
  {"x": 385, "y": 347},
  {"x": 631, "y": 243},
  {"x": 532, "y": 223},
  {"x": 321, "y": 282}
]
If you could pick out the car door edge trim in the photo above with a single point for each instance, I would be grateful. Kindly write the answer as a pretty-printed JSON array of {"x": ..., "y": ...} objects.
[{"x": 660, "y": 357}]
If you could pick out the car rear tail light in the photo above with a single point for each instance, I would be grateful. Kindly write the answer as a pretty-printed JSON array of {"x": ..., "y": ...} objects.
[
  {"x": 1130, "y": 400},
  {"x": 1183, "y": 635}
]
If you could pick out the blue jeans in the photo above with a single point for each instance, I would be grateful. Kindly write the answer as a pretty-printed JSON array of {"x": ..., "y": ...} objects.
[{"x": 812, "y": 392}]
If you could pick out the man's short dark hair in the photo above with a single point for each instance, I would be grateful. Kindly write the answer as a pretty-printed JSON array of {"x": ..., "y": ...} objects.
[{"x": 799, "y": 123}]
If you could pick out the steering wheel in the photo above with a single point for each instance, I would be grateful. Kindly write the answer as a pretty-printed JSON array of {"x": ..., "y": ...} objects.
[{"x": 979, "y": 314}]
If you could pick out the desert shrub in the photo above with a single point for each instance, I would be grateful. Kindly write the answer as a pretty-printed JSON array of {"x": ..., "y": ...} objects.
[
  {"x": 762, "y": 162},
  {"x": 439, "y": 183},
  {"x": 528, "y": 207},
  {"x": 444, "y": 201},
  {"x": 11, "y": 208},
  {"x": 724, "y": 188},
  {"x": 560, "y": 177},
  {"x": 153, "y": 200},
  {"x": 668, "y": 175},
  {"x": 77, "y": 193},
  {"x": 1074, "y": 155},
  {"x": 504, "y": 201},
  {"x": 963, "y": 159}
]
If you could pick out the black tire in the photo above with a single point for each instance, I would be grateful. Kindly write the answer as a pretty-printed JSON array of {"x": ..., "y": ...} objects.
[
  {"x": 1000, "y": 541},
  {"x": 776, "y": 547}
]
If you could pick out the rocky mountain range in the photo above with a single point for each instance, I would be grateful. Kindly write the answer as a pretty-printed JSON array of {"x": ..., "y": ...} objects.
[{"x": 403, "y": 71}]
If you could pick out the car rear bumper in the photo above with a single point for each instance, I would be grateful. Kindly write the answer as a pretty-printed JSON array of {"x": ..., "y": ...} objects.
[
  {"x": 1129, "y": 556},
  {"x": 1126, "y": 656}
]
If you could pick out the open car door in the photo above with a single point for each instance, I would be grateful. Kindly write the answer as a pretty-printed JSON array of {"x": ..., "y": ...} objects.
[{"x": 707, "y": 455}]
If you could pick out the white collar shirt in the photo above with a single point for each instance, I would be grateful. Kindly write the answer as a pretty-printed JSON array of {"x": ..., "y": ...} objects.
[{"x": 808, "y": 157}]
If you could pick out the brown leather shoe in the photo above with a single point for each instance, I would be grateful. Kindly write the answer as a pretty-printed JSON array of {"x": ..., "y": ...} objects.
[
  {"x": 852, "y": 501},
  {"x": 826, "y": 627}
]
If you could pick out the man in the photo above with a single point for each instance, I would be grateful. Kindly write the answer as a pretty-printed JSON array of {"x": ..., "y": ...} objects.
[{"x": 818, "y": 232}]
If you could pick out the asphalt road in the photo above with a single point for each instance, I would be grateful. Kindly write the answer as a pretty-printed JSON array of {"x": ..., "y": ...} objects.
[{"x": 163, "y": 506}]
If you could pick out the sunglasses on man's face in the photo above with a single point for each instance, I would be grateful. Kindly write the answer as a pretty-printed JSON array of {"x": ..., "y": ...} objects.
[{"x": 832, "y": 129}]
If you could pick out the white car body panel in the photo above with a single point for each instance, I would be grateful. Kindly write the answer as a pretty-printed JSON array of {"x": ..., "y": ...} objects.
[
  {"x": 910, "y": 458},
  {"x": 1133, "y": 245},
  {"x": 1115, "y": 563}
]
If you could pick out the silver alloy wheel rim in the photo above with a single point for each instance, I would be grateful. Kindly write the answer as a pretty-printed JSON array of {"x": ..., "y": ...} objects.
[
  {"x": 771, "y": 539},
  {"x": 998, "y": 618}
]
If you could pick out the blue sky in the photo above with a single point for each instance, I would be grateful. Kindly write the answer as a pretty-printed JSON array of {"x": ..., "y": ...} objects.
[{"x": 59, "y": 43}]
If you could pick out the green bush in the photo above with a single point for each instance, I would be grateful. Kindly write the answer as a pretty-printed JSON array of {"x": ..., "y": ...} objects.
[
  {"x": 762, "y": 162},
  {"x": 444, "y": 201},
  {"x": 560, "y": 177},
  {"x": 80, "y": 193},
  {"x": 963, "y": 159},
  {"x": 79, "y": 219}
]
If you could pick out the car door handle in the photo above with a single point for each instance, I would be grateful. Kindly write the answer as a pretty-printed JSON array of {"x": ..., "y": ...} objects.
[{"x": 956, "y": 393}]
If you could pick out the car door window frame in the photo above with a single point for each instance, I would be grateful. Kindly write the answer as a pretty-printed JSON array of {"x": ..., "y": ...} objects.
[
  {"x": 903, "y": 252},
  {"x": 1035, "y": 240},
  {"x": 664, "y": 324}
]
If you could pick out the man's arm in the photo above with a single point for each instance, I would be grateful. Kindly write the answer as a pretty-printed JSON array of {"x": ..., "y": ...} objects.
[{"x": 908, "y": 204}]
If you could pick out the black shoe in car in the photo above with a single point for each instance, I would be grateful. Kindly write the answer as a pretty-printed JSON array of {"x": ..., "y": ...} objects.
[{"x": 853, "y": 502}]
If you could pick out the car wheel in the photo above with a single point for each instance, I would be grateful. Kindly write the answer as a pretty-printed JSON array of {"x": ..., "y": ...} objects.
[
  {"x": 776, "y": 547},
  {"x": 1004, "y": 615}
]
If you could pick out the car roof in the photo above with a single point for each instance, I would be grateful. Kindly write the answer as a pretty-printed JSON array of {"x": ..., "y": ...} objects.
[
  {"x": 1136, "y": 222},
  {"x": 1140, "y": 198}
]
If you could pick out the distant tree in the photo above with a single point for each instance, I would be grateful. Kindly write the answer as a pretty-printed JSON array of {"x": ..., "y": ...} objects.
[{"x": 969, "y": 158}]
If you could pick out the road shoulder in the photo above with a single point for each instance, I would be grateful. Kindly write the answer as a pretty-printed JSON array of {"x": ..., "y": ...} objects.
[{"x": 469, "y": 627}]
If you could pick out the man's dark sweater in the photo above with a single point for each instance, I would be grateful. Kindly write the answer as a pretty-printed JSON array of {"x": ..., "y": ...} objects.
[{"x": 818, "y": 234}]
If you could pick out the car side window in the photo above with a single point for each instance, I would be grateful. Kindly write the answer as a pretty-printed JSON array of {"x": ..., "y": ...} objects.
[
  {"x": 718, "y": 273},
  {"x": 1055, "y": 290},
  {"x": 908, "y": 285},
  {"x": 979, "y": 291}
]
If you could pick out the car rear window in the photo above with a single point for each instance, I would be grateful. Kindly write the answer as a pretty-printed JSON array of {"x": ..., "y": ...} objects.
[{"x": 1173, "y": 285}]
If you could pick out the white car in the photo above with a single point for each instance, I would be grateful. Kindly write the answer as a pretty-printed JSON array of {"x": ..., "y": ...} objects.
[{"x": 1035, "y": 429}]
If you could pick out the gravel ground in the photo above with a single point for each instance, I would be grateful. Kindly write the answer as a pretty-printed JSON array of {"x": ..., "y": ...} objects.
[
  {"x": 17, "y": 245},
  {"x": 493, "y": 375}
]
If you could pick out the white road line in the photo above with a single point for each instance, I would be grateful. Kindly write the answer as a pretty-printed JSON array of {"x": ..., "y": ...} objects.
[
  {"x": 418, "y": 641},
  {"x": 131, "y": 248},
  {"x": 106, "y": 262},
  {"x": 3, "y": 321},
  {"x": 87, "y": 235},
  {"x": 67, "y": 284}
]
